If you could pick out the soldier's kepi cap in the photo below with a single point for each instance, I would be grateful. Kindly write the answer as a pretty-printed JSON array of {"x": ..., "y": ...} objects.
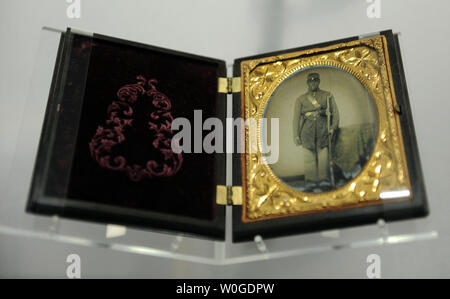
[{"x": 313, "y": 77}]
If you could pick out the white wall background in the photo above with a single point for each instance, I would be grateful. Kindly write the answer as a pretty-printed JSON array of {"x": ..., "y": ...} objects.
[{"x": 230, "y": 29}]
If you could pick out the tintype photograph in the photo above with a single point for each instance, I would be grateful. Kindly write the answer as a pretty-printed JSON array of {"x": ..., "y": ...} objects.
[
  {"x": 336, "y": 122},
  {"x": 328, "y": 127}
]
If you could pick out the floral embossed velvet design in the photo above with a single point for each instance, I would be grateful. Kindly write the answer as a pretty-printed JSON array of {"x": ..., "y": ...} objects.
[{"x": 120, "y": 114}]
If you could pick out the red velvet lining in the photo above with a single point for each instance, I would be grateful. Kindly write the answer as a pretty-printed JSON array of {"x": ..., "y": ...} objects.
[{"x": 139, "y": 172}]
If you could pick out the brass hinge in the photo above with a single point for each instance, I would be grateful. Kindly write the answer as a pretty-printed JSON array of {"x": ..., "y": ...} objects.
[
  {"x": 229, "y": 85},
  {"x": 229, "y": 195}
]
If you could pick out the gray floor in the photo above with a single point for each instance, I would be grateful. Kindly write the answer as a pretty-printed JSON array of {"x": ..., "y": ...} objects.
[{"x": 230, "y": 29}]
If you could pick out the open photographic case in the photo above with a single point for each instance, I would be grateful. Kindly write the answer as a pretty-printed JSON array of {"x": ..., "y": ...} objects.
[{"x": 323, "y": 138}]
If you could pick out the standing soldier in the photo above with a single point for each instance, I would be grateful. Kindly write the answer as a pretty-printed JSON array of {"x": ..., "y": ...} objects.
[{"x": 315, "y": 120}]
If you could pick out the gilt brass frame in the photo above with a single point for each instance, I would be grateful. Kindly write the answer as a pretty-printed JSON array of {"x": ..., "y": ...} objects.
[{"x": 265, "y": 195}]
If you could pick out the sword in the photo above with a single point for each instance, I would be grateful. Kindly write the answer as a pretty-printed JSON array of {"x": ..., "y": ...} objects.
[{"x": 330, "y": 162}]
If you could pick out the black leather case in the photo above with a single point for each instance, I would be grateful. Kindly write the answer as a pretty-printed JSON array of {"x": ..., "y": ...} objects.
[{"x": 186, "y": 205}]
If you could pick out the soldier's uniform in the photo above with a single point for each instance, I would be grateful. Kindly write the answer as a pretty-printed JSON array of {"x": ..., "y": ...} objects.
[{"x": 311, "y": 126}]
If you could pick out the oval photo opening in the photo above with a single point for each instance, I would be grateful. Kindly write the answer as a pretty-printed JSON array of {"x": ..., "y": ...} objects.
[{"x": 327, "y": 129}]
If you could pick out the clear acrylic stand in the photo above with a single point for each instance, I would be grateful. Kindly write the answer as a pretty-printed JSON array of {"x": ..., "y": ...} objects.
[{"x": 14, "y": 221}]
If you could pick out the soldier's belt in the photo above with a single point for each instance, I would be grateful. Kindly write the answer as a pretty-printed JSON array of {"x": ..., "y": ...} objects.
[
  {"x": 313, "y": 114},
  {"x": 307, "y": 114}
]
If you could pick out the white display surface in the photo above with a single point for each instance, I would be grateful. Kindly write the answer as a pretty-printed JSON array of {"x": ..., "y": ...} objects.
[{"x": 227, "y": 30}]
